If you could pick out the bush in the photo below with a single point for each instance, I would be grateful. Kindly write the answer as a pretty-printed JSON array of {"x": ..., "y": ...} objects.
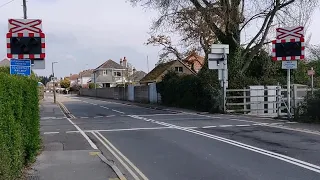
[
  {"x": 308, "y": 111},
  {"x": 188, "y": 91},
  {"x": 19, "y": 124}
]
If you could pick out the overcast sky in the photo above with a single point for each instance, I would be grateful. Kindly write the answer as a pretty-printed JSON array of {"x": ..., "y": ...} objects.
[{"x": 82, "y": 34}]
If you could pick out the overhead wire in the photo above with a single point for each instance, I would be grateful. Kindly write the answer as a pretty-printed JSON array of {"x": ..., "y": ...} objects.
[{"x": 6, "y": 3}]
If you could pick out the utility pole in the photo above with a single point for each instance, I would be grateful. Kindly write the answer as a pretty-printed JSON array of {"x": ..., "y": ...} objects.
[
  {"x": 25, "y": 9},
  {"x": 54, "y": 84},
  {"x": 148, "y": 63}
]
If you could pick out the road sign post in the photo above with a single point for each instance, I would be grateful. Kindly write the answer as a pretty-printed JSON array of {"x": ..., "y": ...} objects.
[
  {"x": 288, "y": 48},
  {"x": 218, "y": 60},
  {"x": 20, "y": 67}
]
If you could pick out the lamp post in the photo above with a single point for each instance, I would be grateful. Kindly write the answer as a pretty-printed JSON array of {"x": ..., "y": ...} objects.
[{"x": 54, "y": 85}]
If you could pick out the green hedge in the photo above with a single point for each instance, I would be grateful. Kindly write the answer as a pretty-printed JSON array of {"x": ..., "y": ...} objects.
[
  {"x": 188, "y": 91},
  {"x": 19, "y": 123},
  {"x": 309, "y": 110}
]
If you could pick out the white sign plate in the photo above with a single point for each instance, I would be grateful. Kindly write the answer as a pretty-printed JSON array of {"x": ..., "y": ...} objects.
[
  {"x": 289, "y": 64},
  {"x": 25, "y": 26},
  {"x": 290, "y": 32},
  {"x": 311, "y": 72},
  {"x": 219, "y": 48},
  {"x": 38, "y": 64}
]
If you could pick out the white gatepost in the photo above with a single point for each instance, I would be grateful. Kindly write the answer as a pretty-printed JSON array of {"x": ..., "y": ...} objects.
[
  {"x": 256, "y": 100},
  {"x": 131, "y": 92},
  {"x": 272, "y": 99},
  {"x": 153, "y": 95}
]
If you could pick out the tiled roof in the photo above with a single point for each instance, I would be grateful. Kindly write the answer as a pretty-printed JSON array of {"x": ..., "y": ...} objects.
[
  {"x": 110, "y": 64},
  {"x": 73, "y": 77},
  {"x": 157, "y": 71},
  {"x": 86, "y": 73},
  {"x": 137, "y": 76},
  {"x": 194, "y": 57}
]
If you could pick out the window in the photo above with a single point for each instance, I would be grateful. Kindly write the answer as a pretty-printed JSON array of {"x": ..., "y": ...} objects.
[
  {"x": 104, "y": 72},
  {"x": 178, "y": 69},
  {"x": 117, "y": 74}
]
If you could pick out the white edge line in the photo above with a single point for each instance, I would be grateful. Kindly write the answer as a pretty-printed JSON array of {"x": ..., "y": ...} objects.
[
  {"x": 84, "y": 135},
  {"x": 206, "y": 127},
  {"x": 80, "y": 130},
  {"x": 225, "y": 125},
  {"x": 243, "y": 125},
  {"x": 288, "y": 159},
  {"x": 116, "y": 156},
  {"x": 124, "y": 157},
  {"x": 132, "y": 129},
  {"x": 51, "y": 133},
  {"x": 118, "y": 111}
]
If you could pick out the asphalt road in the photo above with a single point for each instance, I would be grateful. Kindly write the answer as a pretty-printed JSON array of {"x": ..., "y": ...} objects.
[{"x": 164, "y": 145}]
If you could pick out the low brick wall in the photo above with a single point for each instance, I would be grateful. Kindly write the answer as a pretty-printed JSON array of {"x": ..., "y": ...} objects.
[{"x": 141, "y": 93}]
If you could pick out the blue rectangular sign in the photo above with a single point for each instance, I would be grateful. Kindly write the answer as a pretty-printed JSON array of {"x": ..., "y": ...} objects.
[{"x": 20, "y": 67}]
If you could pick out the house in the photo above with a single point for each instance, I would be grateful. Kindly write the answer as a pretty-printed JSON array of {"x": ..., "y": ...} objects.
[
  {"x": 194, "y": 61},
  {"x": 73, "y": 79},
  {"x": 85, "y": 77},
  {"x": 136, "y": 76},
  {"x": 160, "y": 70},
  {"x": 5, "y": 63},
  {"x": 112, "y": 74}
]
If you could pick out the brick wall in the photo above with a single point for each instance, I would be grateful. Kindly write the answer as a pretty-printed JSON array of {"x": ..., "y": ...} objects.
[{"x": 141, "y": 93}]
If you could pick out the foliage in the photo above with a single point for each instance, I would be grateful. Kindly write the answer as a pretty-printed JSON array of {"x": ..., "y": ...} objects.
[
  {"x": 5, "y": 70},
  {"x": 65, "y": 83},
  {"x": 308, "y": 111},
  {"x": 45, "y": 79},
  {"x": 75, "y": 87},
  {"x": 19, "y": 124},
  {"x": 224, "y": 21},
  {"x": 188, "y": 91},
  {"x": 92, "y": 85}
]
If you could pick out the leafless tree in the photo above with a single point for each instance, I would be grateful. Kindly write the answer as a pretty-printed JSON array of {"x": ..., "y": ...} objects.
[
  {"x": 224, "y": 20},
  {"x": 168, "y": 48}
]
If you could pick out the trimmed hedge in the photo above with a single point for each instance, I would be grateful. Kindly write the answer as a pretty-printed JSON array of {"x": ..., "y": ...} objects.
[
  {"x": 19, "y": 123},
  {"x": 189, "y": 91}
]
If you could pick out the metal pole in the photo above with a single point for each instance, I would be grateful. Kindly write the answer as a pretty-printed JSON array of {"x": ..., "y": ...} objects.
[
  {"x": 224, "y": 79},
  {"x": 148, "y": 63},
  {"x": 54, "y": 85},
  {"x": 288, "y": 93},
  {"x": 312, "y": 82},
  {"x": 25, "y": 9}
]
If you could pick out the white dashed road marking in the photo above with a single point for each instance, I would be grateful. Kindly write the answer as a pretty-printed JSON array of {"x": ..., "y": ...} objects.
[{"x": 118, "y": 111}]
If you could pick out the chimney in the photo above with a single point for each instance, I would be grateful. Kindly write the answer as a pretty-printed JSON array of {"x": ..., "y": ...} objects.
[
  {"x": 124, "y": 62},
  {"x": 120, "y": 61}
]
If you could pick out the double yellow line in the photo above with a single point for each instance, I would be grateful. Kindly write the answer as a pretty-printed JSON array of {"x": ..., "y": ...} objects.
[
  {"x": 125, "y": 162},
  {"x": 66, "y": 110}
]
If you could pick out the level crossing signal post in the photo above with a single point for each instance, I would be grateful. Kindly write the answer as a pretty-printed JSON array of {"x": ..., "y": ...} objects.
[
  {"x": 288, "y": 48},
  {"x": 25, "y": 40}
]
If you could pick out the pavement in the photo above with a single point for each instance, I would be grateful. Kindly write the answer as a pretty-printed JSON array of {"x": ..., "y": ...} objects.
[
  {"x": 166, "y": 143},
  {"x": 66, "y": 156}
]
